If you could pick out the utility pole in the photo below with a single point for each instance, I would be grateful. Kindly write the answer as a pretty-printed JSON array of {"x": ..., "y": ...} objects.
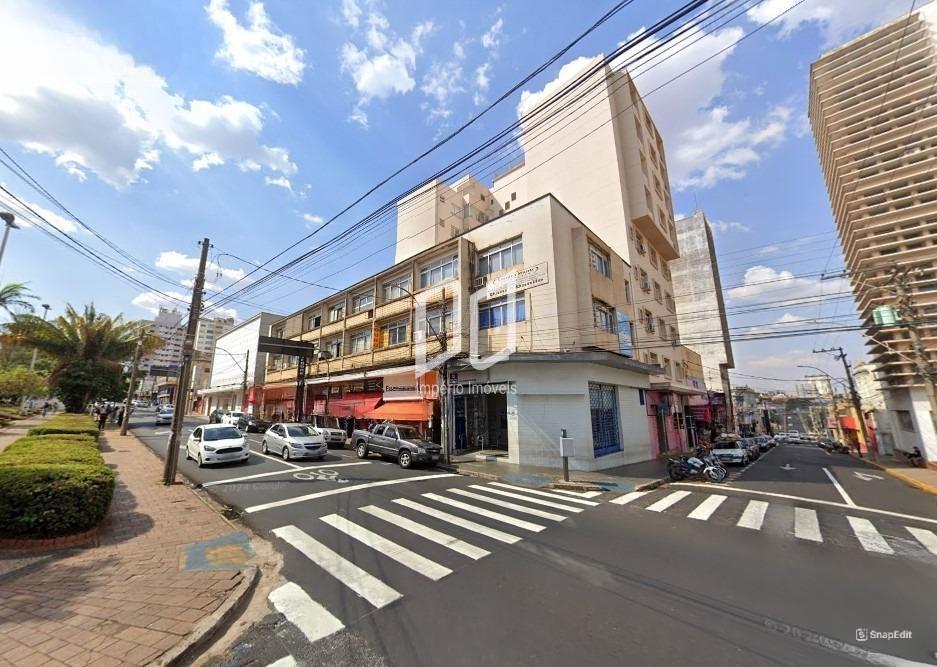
[
  {"x": 32, "y": 362},
  {"x": 188, "y": 346},
  {"x": 921, "y": 361},
  {"x": 856, "y": 403},
  {"x": 443, "y": 383},
  {"x": 8, "y": 220},
  {"x": 247, "y": 361},
  {"x": 133, "y": 379}
]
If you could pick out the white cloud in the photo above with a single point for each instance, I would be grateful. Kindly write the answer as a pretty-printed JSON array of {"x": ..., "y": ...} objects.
[
  {"x": 208, "y": 160},
  {"x": 259, "y": 47},
  {"x": 492, "y": 38},
  {"x": 765, "y": 282},
  {"x": 93, "y": 109},
  {"x": 66, "y": 225},
  {"x": 440, "y": 83},
  {"x": 482, "y": 83},
  {"x": 178, "y": 262},
  {"x": 787, "y": 361},
  {"x": 723, "y": 227},
  {"x": 385, "y": 64},
  {"x": 786, "y": 321},
  {"x": 837, "y": 20},
  {"x": 313, "y": 221},
  {"x": 567, "y": 73},
  {"x": 152, "y": 301},
  {"x": 280, "y": 182},
  {"x": 351, "y": 12}
]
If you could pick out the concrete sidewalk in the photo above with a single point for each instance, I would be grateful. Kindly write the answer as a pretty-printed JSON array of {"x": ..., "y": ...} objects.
[
  {"x": 17, "y": 429},
  {"x": 635, "y": 476},
  {"x": 164, "y": 574},
  {"x": 921, "y": 478}
]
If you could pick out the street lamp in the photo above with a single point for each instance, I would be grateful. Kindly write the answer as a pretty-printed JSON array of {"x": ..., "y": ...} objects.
[
  {"x": 45, "y": 312},
  {"x": 9, "y": 223}
]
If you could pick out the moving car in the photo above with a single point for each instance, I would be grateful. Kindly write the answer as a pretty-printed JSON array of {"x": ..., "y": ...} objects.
[
  {"x": 764, "y": 442},
  {"x": 330, "y": 430},
  {"x": 752, "y": 447},
  {"x": 216, "y": 443},
  {"x": 403, "y": 443},
  {"x": 793, "y": 435},
  {"x": 732, "y": 451},
  {"x": 294, "y": 441},
  {"x": 215, "y": 416},
  {"x": 164, "y": 415},
  {"x": 249, "y": 422},
  {"x": 232, "y": 417}
]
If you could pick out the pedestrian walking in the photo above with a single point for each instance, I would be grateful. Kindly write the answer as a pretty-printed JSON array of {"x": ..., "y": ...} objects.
[
  {"x": 102, "y": 418},
  {"x": 120, "y": 416},
  {"x": 45, "y": 408}
]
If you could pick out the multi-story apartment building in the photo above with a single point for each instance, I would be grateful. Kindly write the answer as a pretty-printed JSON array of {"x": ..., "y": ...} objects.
[
  {"x": 873, "y": 112},
  {"x": 701, "y": 308}
]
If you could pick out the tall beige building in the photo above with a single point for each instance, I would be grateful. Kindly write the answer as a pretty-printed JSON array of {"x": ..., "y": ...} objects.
[{"x": 873, "y": 108}]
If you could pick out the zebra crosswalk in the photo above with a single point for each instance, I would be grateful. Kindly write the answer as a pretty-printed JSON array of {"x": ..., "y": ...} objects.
[
  {"x": 884, "y": 536},
  {"x": 431, "y": 536}
]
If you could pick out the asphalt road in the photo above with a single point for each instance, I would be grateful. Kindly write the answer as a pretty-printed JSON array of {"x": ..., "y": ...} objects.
[{"x": 376, "y": 572}]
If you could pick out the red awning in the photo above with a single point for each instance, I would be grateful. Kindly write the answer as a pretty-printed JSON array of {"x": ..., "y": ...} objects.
[
  {"x": 356, "y": 407},
  {"x": 411, "y": 411}
]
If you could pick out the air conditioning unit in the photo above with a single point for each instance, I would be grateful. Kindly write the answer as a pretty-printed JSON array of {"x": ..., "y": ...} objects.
[{"x": 479, "y": 282}]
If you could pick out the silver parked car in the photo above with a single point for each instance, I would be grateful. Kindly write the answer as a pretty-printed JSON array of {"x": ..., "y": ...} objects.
[{"x": 294, "y": 441}]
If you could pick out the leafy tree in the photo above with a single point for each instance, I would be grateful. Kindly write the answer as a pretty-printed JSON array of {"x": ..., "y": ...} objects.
[
  {"x": 20, "y": 381},
  {"x": 89, "y": 349},
  {"x": 14, "y": 297}
]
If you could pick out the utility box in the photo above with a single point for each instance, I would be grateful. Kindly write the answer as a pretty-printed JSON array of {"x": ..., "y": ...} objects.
[{"x": 566, "y": 446}]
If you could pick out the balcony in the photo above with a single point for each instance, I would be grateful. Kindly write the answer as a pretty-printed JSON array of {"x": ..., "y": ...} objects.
[{"x": 657, "y": 236}]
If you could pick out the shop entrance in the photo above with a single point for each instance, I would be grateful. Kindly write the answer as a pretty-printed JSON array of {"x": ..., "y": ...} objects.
[{"x": 481, "y": 421}]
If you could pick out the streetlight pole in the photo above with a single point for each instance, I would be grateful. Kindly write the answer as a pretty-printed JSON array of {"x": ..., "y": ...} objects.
[
  {"x": 853, "y": 394},
  {"x": 45, "y": 312},
  {"x": 9, "y": 223}
]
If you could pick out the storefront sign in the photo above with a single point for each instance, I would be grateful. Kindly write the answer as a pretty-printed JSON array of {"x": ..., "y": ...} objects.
[
  {"x": 401, "y": 386},
  {"x": 625, "y": 345},
  {"x": 518, "y": 281}
]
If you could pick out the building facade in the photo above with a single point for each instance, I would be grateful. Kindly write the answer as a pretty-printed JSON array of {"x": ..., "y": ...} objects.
[{"x": 872, "y": 109}]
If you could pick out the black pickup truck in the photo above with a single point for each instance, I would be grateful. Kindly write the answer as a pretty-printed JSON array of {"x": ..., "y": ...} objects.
[{"x": 390, "y": 440}]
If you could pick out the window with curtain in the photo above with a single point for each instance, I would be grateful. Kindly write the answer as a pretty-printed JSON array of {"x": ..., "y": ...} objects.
[
  {"x": 505, "y": 310},
  {"x": 360, "y": 341}
]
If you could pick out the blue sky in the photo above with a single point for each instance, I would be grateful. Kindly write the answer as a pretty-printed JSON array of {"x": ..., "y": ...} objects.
[{"x": 251, "y": 122}]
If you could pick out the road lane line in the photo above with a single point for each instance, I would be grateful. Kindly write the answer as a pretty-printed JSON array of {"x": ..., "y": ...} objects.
[
  {"x": 868, "y": 536},
  {"x": 580, "y": 494},
  {"x": 367, "y": 586},
  {"x": 431, "y": 534},
  {"x": 754, "y": 515},
  {"x": 535, "y": 501},
  {"x": 509, "y": 505},
  {"x": 310, "y": 617},
  {"x": 344, "y": 489},
  {"x": 806, "y": 525},
  {"x": 493, "y": 533},
  {"x": 802, "y": 499},
  {"x": 274, "y": 458},
  {"x": 406, "y": 557},
  {"x": 481, "y": 511},
  {"x": 547, "y": 494},
  {"x": 839, "y": 487},
  {"x": 628, "y": 497},
  {"x": 926, "y": 537},
  {"x": 668, "y": 501},
  {"x": 285, "y": 661},
  {"x": 282, "y": 472},
  {"x": 706, "y": 508}
]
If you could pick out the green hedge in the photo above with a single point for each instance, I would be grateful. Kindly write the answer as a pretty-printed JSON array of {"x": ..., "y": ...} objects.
[
  {"x": 51, "y": 500},
  {"x": 75, "y": 424},
  {"x": 45, "y": 450}
]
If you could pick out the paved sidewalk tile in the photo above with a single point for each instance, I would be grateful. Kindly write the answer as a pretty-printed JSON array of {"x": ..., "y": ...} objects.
[
  {"x": 131, "y": 597},
  {"x": 17, "y": 429}
]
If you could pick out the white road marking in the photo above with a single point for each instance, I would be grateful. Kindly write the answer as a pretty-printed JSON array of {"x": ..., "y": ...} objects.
[
  {"x": 926, "y": 537},
  {"x": 668, "y": 501},
  {"x": 802, "y": 499},
  {"x": 547, "y": 494},
  {"x": 282, "y": 472},
  {"x": 344, "y": 489},
  {"x": 754, "y": 515},
  {"x": 285, "y": 661},
  {"x": 312, "y": 619},
  {"x": 706, "y": 508},
  {"x": 493, "y": 533},
  {"x": 806, "y": 525},
  {"x": 839, "y": 487},
  {"x": 274, "y": 458},
  {"x": 581, "y": 494},
  {"x": 535, "y": 501},
  {"x": 628, "y": 497},
  {"x": 369, "y": 587},
  {"x": 481, "y": 511},
  {"x": 392, "y": 550},
  {"x": 509, "y": 505},
  {"x": 431, "y": 534},
  {"x": 868, "y": 536}
]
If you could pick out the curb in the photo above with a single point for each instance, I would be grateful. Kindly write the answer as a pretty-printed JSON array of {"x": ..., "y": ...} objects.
[
  {"x": 571, "y": 486},
  {"x": 910, "y": 481},
  {"x": 194, "y": 643},
  {"x": 50, "y": 543}
]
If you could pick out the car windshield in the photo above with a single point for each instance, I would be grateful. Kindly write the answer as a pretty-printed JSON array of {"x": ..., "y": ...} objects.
[
  {"x": 226, "y": 433},
  {"x": 236, "y": 414},
  {"x": 726, "y": 445},
  {"x": 327, "y": 422},
  {"x": 407, "y": 433},
  {"x": 301, "y": 431}
]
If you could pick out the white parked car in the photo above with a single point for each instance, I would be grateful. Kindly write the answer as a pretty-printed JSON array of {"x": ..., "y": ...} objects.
[
  {"x": 216, "y": 443},
  {"x": 294, "y": 441},
  {"x": 164, "y": 415},
  {"x": 732, "y": 451},
  {"x": 330, "y": 429},
  {"x": 231, "y": 417}
]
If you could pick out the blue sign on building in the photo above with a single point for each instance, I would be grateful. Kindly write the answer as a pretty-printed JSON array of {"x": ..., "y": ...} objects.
[{"x": 623, "y": 324}]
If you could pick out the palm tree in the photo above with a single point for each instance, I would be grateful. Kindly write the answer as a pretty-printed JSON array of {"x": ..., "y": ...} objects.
[
  {"x": 13, "y": 298},
  {"x": 89, "y": 349}
]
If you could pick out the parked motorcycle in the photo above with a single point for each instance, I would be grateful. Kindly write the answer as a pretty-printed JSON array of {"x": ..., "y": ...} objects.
[{"x": 705, "y": 467}]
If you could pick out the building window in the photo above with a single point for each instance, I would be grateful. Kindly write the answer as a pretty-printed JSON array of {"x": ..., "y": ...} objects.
[
  {"x": 432, "y": 325},
  {"x": 395, "y": 288},
  {"x": 668, "y": 299},
  {"x": 278, "y": 332},
  {"x": 502, "y": 256},
  {"x": 662, "y": 326},
  {"x": 657, "y": 292},
  {"x": 653, "y": 256},
  {"x": 627, "y": 291},
  {"x": 362, "y": 302},
  {"x": 599, "y": 260},
  {"x": 667, "y": 371},
  {"x": 905, "y": 422},
  {"x": 603, "y": 408},
  {"x": 440, "y": 271},
  {"x": 603, "y": 317},
  {"x": 648, "y": 321},
  {"x": 645, "y": 281},
  {"x": 654, "y": 359},
  {"x": 674, "y": 338},
  {"x": 360, "y": 341},
  {"x": 394, "y": 333},
  {"x": 639, "y": 243},
  {"x": 505, "y": 310},
  {"x": 336, "y": 312},
  {"x": 513, "y": 196},
  {"x": 314, "y": 321},
  {"x": 334, "y": 348}
]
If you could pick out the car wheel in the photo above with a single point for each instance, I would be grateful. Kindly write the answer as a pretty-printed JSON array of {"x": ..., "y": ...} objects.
[
  {"x": 188, "y": 457},
  {"x": 201, "y": 463},
  {"x": 263, "y": 447},
  {"x": 286, "y": 454},
  {"x": 405, "y": 459},
  {"x": 361, "y": 450}
]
